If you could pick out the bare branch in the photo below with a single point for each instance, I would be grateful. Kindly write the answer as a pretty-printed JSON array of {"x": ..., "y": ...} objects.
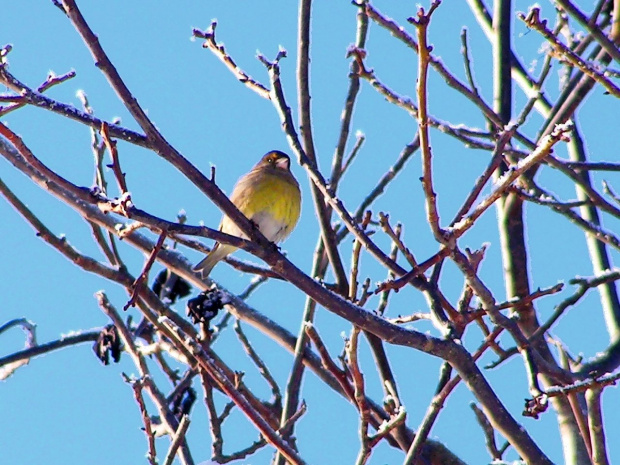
[{"x": 220, "y": 52}]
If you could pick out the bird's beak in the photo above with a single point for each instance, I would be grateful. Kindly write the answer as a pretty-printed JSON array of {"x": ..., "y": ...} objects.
[{"x": 283, "y": 163}]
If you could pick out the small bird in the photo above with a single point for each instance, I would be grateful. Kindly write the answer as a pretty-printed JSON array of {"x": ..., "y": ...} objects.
[{"x": 269, "y": 196}]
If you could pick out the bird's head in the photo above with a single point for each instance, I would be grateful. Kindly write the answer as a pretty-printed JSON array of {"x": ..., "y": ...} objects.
[{"x": 276, "y": 159}]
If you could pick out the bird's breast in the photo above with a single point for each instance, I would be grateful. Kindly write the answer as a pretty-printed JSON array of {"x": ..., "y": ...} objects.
[{"x": 272, "y": 202}]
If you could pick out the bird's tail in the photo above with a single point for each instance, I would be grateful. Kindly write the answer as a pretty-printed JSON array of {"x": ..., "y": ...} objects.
[{"x": 218, "y": 253}]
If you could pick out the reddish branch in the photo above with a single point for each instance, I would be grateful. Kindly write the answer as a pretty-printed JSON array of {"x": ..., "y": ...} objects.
[
  {"x": 137, "y": 386},
  {"x": 424, "y": 49},
  {"x": 143, "y": 277},
  {"x": 116, "y": 164}
]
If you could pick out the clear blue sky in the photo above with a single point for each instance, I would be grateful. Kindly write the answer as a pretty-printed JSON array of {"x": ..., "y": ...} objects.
[{"x": 66, "y": 407}]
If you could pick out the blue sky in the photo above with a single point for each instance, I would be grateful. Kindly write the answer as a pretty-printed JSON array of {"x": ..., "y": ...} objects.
[{"x": 67, "y": 408}]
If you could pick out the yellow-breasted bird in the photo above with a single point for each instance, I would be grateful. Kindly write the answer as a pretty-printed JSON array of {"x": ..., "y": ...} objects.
[{"x": 269, "y": 196}]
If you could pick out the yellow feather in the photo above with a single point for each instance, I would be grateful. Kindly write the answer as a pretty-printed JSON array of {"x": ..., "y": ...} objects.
[{"x": 269, "y": 193}]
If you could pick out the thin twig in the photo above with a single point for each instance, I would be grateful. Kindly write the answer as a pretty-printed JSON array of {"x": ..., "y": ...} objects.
[
  {"x": 51, "y": 81},
  {"x": 116, "y": 164},
  {"x": 438, "y": 402},
  {"x": 384, "y": 222},
  {"x": 384, "y": 297},
  {"x": 467, "y": 62},
  {"x": 489, "y": 432},
  {"x": 137, "y": 386},
  {"x": 592, "y": 28},
  {"x": 360, "y": 399},
  {"x": 143, "y": 277},
  {"x": 158, "y": 398},
  {"x": 177, "y": 439},
  {"x": 542, "y": 150},
  {"x": 207, "y": 364},
  {"x": 565, "y": 53},
  {"x": 260, "y": 364},
  {"x": 220, "y": 52},
  {"x": 338, "y": 167}
]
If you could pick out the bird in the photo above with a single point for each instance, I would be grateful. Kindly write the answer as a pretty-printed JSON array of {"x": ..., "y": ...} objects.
[{"x": 269, "y": 196}]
